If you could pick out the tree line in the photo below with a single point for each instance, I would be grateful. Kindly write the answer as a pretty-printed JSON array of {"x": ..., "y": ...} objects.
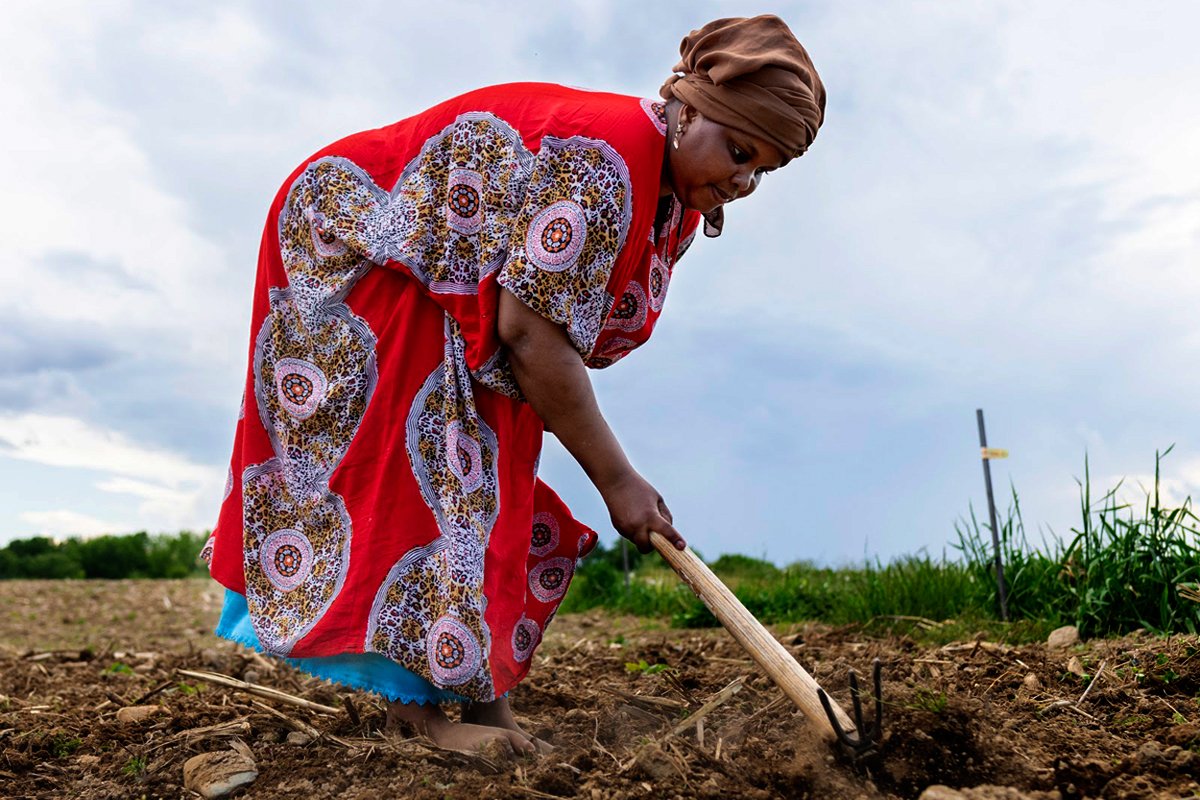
[{"x": 136, "y": 555}]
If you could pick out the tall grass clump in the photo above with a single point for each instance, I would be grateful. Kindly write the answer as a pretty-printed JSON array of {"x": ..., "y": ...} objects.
[
  {"x": 1031, "y": 575},
  {"x": 1120, "y": 570}
]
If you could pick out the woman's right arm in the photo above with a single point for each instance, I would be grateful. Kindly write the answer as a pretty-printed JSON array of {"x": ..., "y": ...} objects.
[{"x": 555, "y": 382}]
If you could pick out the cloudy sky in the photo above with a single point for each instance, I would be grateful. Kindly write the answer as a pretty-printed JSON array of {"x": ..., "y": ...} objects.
[{"x": 1002, "y": 211}]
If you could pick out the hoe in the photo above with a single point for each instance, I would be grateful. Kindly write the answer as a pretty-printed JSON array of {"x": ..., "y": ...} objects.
[{"x": 857, "y": 739}]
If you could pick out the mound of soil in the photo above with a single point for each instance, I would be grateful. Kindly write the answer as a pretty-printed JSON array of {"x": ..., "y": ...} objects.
[{"x": 92, "y": 704}]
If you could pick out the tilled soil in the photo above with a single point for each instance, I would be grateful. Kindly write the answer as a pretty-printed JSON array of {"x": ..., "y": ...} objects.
[{"x": 607, "y": 692}]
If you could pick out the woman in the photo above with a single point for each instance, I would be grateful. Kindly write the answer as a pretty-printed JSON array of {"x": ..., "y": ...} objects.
[{"x": 429, "y": 295}]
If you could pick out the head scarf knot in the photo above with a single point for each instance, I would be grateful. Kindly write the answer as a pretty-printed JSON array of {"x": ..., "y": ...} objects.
[{"x": 753, "y": 75}]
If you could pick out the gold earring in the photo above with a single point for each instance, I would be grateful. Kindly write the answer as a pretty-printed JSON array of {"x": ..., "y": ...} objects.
[{"x": 678, "y": 133}]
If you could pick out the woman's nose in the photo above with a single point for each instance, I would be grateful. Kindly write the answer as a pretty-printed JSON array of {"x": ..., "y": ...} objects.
[{"x": 745, "y": 181}]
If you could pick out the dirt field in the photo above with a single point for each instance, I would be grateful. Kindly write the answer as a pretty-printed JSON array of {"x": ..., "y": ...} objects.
[{"x": 965, "y": 715}]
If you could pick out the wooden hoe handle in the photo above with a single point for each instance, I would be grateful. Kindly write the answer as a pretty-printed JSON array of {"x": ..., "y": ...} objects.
[{"x": 764, "y": 648}]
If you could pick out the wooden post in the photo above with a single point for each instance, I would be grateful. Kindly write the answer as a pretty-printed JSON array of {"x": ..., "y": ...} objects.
[
  {"x": 1002, "y": 589},
  {"x": 764, "y": 648}
]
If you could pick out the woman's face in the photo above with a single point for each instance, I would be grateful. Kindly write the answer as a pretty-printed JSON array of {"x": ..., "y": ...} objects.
[{"x": 715, "y": 165}]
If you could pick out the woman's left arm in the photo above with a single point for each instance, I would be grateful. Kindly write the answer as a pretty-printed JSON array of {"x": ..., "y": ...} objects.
[{"x": 554, "y": 380}]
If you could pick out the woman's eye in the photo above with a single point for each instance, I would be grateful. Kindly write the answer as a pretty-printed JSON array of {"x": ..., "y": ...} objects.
[{"x": 739, "y": 155}]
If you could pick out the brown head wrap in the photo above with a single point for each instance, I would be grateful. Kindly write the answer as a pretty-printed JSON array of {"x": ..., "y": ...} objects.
[{"x": 751, "y": 74}]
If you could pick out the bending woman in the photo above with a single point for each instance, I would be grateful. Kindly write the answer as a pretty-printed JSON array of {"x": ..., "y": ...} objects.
[{"x": 429, "y": 296}]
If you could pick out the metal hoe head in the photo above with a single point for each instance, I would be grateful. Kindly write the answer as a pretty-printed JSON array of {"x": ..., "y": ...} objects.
[{"x": 866, "y": 739}]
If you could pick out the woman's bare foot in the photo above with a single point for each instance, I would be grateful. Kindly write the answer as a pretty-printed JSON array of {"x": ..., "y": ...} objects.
[
  {"x": 498, "y": 714},
  {"x": 433, "y": 722}
]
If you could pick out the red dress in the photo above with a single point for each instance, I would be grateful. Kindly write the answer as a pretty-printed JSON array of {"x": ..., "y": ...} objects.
[{"x": 383, "y": 493}]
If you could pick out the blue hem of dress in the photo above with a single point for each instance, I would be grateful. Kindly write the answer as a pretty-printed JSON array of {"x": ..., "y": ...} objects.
[{"x": 337, "y": 669}]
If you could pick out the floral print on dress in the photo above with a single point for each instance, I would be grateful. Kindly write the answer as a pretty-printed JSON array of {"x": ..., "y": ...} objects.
[
  {"x": 434, "y": 594},
  {"x": 567, "y": 236},
  {"x": 549, "y": 568},
  {"x": 454, "y": 206},
  {"x": 631, "y": 317},
  {"x": 296, "y": 549},
  {"x": 314, "y": 374}
]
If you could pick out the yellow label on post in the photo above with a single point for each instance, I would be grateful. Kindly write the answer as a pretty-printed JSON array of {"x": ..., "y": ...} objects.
[{"x": 993, "y": 452}]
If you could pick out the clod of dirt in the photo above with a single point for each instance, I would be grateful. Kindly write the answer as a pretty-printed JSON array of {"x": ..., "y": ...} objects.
[
  {"x": 1184, "y": 735},
  {"x": 297, "y": 737},
  {"x": 656, "y": 763},
  {"x": 1084, "y": 777},
  {"x": 557, "y": 781},
  {"x": 213, "y": 775},
  {"x": 576, "y": 715},
  {"x": 935, "y": 747},
  {"x": 1149, "y": 755},
  {"x": 1153, "y": 758},
  {"x": 984, "y": 793},
  {"x": 1062, "y": 638},
  {"x": 1031, "y": 684},
  {"x": 130, "y": 715},
  {"x": 1075, "y": 666}
]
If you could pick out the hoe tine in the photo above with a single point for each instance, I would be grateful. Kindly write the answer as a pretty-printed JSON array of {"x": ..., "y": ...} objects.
[{"x": 866, "y": 739}]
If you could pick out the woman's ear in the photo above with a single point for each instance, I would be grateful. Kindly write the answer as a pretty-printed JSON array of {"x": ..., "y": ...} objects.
[{"x": 687, "y": 114}]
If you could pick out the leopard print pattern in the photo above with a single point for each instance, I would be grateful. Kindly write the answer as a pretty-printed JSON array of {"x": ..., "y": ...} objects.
[
  {"x": 452, "y": 450},
  {"x": 497, "y": 374},
  {"x": 454, "y": 205},
  {"x": 295, "y": 549},
  {"x": 428, "y": 614},
  {"x": 314, "y": 374},
  {"x": 576, "y": 215},
  {"x": 431, "y": 626},
  {"x": 313, "y": 384},
  {"x": 320, "y": 233},
  {"x": 206, "y": 552}
]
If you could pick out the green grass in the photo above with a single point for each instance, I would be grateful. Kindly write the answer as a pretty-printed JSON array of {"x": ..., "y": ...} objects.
[
  {"x": 62, "y": 745},
  {"x": 1122, "y": 569},
  {"x": 644, "y": 668},
  {"x": 135, "y": 766}
]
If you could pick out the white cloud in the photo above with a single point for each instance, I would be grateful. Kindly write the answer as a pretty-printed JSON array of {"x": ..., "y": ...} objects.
[
  {"x": 68, "y": 442},
  {"x": 221, "y": 44},
  {"x": 1177, "y": 483},
  {"x": 83, "y": 189},
  {"x": 62, "y": 523},
  {"x": 171, "y": 491},
  {"x": 192, "y": 507}
]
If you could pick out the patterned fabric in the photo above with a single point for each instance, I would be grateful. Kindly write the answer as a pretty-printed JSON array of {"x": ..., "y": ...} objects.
[
  {"x": 572, "y": 226},
  {"x": 384, "y": 497},
  {"x": 367, "y": 671},
  {"x": 438, "y": 589}
]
